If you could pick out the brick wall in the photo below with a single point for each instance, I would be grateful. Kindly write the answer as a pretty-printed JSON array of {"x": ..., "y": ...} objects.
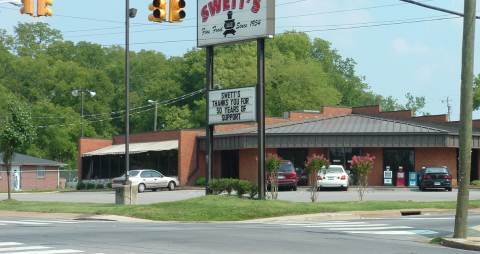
[
  {"x": 438, "y": 119},
  {"x": 437, "y": 157},
  {"x": 375, "y": 178},
  {"x": 29, "y": 179},
  {"x": 187, "y": 151},
  {"x": 368, "y": 110}
]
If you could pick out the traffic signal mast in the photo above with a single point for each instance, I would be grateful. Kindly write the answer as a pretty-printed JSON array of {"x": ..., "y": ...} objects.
[{"x": 159, "y": 8}]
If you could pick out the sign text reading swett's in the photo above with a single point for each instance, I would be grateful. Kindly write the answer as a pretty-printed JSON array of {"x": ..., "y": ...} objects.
[
  {"x": 232, "y": 106},
  {"x": 221, "y": 22}
]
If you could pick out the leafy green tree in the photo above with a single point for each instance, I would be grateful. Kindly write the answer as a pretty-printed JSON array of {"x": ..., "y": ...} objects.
[
  {"x": 33, "y": 38},
  {"x": 15, "y": 133}
]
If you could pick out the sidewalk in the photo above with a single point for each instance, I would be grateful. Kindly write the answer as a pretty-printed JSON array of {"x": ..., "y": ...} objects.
[{"x": 471, "y": 243}]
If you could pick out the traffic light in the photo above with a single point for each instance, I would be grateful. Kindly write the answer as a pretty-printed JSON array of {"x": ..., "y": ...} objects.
[
  {"x": 42, "y": 9},
  {"x": 177, "y": 12},
  {"x": 27, "y": 7},
  {"x": 159, "y": 8}
]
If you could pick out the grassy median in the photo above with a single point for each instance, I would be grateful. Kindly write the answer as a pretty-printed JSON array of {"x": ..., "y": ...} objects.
[{"x": 219, "y": 208}]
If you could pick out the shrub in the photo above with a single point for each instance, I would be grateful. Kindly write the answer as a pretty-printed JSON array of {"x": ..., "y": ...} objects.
[
  {"x": 230, "y": 184},
  {"x": 99, "y": 186},
  {"x": 90, "y": 186},
  {"x": 252, "y": 189},
  {"x": 436, "y": 240},
  {"x": 241, "y": 187},
  {"x": 476, "y": 182},
  {"x": 201, "y": 181},
  {"x": 109, "y": 185},
  {"x": 214, "y": 186},
  {"x": 80, "y": 185}
]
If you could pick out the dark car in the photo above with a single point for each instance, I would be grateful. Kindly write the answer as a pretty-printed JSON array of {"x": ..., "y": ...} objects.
[
  {"x": 435, "y": 177},
  {"x": 302, "y": 177},
  {"x": 287, "y": 177}
]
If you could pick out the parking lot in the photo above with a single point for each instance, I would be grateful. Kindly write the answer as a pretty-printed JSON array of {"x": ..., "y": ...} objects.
[{"x": 301, "y": 195}]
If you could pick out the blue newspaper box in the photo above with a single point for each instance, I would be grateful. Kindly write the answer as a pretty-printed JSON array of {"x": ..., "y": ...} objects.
[{"x": 412, "y": 179}]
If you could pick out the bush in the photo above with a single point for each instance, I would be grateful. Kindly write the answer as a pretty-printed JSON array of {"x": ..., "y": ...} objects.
[
  {"x": 241, "y": 187},
  {"x": 201, "y": 181},
  {"x": 215, "y": 186},
  {"x": 80, "y": 185},
  {"x": 99, "y": 186},
  {"x": 109, "y": 185},
  {"x": 252, "y": 189},
  {"x": 229, "y": 184},
  {"x": 476, "y": 182},
  {"x": 90, "y": 186}
]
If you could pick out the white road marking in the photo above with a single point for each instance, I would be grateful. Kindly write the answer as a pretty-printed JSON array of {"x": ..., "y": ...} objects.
[
  {"x": 369, "y": 228},
  {"x": 23, "y": 222},
  {"x": 46, "y": 252},
  {"x": 340, "y": 226},
  {"x": 9, "y": 243},
  {"x": 59, "y": 221},
  {"x": 406, "y": 232},
  {"x": 24, "y": 248}
]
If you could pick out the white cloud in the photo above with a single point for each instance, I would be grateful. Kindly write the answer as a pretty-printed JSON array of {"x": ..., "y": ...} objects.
[
  {"x": 425, "y": 72},
  {"x": 401, "y": 47}
]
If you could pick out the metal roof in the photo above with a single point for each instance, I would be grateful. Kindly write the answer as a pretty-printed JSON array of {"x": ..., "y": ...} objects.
[
  {"x": 135, "y": 148},
  {"x": 22, "y": 159},
  {"x": 349, "y": 130}
]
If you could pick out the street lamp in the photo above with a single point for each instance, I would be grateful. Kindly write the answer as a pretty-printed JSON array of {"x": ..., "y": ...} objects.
[
  {"x": 75, "y": 93},
  {"x": 156, "y": 107}
]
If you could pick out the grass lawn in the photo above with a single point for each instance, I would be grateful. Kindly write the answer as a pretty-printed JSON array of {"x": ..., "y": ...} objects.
[{"x": 219, "y": 208}]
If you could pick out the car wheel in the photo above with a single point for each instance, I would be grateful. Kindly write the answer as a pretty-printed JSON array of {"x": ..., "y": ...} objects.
[
  {"x": 154, "y": 189},
  {"x": 422, "y": 188},
  {"x": 141, "y": 187},
  {"x": 448, "y": 189},
  {"x": 345, "y": 188},
  {"x": 294, "y": 188},
  {"x": 171, "y": 186}
]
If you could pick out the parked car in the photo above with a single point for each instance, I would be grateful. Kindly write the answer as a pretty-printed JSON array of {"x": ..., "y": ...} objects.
[
  {"x": 72, "y": 184},
  {"x": 302, "y": 176},
  {"x": 334, "y": 176},
  {"x": 287, "y": 177},
  {"x": 435, "y": 177},
  {"x": 147, "y": 179}
]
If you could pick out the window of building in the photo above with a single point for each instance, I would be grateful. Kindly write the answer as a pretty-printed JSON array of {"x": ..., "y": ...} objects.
[{"x": 40, "y": 171}]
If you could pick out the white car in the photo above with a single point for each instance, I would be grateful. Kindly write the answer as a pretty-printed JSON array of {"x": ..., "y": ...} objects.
[
  {"x": 147, "y": 179},
  {"x": 334, "y": 176}
]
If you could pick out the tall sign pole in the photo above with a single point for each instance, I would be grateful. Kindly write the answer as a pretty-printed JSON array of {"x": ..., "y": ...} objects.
[
  {"x": 466, "y": 105},
  {"x": 127, "y": 92},
  {"x": 261, "y": 116},
  {"x": 209, "y": 128}
]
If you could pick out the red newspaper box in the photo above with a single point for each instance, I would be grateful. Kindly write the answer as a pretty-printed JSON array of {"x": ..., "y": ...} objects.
[{"x": 400, "y": 177}]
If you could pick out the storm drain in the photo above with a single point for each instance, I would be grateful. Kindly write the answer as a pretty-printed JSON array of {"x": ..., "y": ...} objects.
[{"x": 408, "y": 213}]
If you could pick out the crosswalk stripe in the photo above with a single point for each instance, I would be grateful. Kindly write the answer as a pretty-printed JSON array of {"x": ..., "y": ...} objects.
[
  {"x": 23, "y": 222},
  {"x": 322, "y": 223},
  {"x": 382, "y": 232},
  {"x": 339, "y": 226},
  {"x": 24, "y": 248},
  {"x": 59, "y": 221},
  {"x": 9, "y": 243},
  {"x": 370, "y": 228},
  {"x": 46, "y": 252}
]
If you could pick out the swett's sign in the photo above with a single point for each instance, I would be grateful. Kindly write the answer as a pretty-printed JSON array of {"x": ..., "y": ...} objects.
[
  {"x": 221, "y": 22},
  {"x": 231, "y": 106}
]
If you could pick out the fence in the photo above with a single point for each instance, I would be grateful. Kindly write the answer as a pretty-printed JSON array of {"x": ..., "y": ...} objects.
[{"x": 39, "y": 179}]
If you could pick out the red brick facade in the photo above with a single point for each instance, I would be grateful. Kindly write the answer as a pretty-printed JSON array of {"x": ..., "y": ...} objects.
[
  {"x": 247, "y": 157},
  {"x": 29, "y": 179}
]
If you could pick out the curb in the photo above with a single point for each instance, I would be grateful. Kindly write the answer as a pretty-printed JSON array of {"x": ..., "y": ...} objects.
[{"x": 464, "y": 244}]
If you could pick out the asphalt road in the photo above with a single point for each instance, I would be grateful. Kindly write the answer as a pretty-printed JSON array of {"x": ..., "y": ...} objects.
[
  {"x": 301, "y": 195},
  {"x": 397, "y": 235}
]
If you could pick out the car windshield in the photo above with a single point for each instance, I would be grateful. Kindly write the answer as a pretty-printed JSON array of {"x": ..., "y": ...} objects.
[
  {"x": 436, "y": 170},
  {"x": 132, "y": 173},
  {"x": 285, "y": 168}
]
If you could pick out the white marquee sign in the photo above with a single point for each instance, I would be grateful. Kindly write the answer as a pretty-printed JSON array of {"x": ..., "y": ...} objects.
[
  {"x": 221, "y": 22},
  {"x": 232, "y": 106}
]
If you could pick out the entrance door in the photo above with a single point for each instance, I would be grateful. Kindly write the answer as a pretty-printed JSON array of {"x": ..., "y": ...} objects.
[
  {"x": 343, "y": 156},
  {"x": 16, "y": 178},
  {"x": 230, "y": 164}
]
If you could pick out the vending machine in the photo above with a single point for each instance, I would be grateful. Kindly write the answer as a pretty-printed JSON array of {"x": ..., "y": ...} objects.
[
  {"x": 387, "y": 177},
  {"x": 400, "y": 177}
]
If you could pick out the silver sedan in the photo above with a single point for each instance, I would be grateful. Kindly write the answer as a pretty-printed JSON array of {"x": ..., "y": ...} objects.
[{"x": 147, "y": 179}]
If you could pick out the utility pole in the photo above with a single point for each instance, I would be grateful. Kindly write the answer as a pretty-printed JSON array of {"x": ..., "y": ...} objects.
[
  {"x": 466, "y": 105},
  {"x": 449, "y": 107}
]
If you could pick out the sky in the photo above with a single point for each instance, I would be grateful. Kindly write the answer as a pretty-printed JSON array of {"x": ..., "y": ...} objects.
[{"x": 399, "y": 47}]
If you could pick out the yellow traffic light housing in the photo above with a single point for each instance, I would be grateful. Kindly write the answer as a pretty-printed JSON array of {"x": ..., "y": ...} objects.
[
  {"x": 177, "y": 12},
  {"x": 159, "y": 8},
  {"x": 27, "y": 7},
  {"x": 42, "y": 9}
]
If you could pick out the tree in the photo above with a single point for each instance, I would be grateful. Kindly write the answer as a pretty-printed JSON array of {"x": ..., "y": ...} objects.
[
  {"x": 34, "y": 38},
  {"x": 15, "y": 134},
  {"x": 272, "y": 165},
  {"x": 315, "y": 164},
  {"x": 362, "y": 166}
]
